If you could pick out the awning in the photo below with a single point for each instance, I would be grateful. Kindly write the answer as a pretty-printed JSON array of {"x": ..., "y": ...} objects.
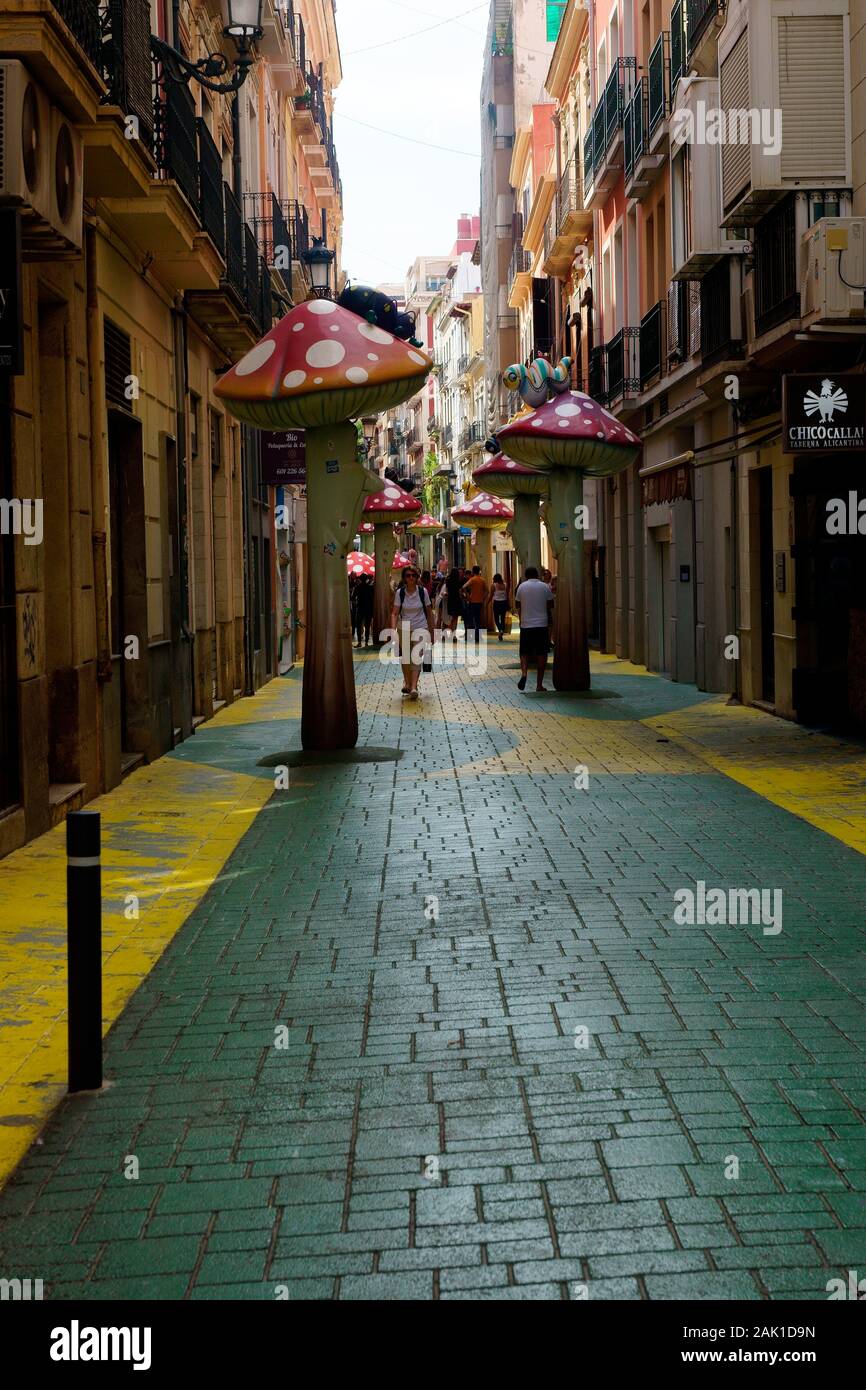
[{"x": 671, "y": 480}]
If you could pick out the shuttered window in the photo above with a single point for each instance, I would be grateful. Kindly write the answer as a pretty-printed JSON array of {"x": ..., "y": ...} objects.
[
  {"x": 734, "y": 95},
  {"x": 811, "y": 51},
  {"x": 118, "y": 365}
]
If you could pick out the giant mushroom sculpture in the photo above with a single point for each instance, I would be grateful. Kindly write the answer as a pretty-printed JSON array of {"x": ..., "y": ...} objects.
[
  {"x": 383, "y": 508},
  {"x": 426, "y": 527},
  {"x": 367, "y": 530},
  {"x": 317, "y": 369},
  {"x": 505, "y": 477},
  {"x": 485, "y": 514},
  {"x": 571, "y": 436}
]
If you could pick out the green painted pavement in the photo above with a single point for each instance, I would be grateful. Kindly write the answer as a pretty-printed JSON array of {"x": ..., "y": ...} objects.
[{"x": 431, "y": 1130}]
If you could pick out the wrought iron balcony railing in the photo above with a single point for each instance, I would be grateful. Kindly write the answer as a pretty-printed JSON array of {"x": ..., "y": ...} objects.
[
  {"x": 299, "y": 225},
  {"x": 659, "y": 93},
  {"x": 211, "y": 188},
  {"x": 569, "y": 197},
  {"x": 678, "y": 44},
  {"x": 126, "y": 63},
  {"x": 609, "y": 114},
  {"x": 271, "y": 223},
  {"x": 635, "y": 134},
  {"x": 777, "y": 296},
  {"x": 176, "y": 140},
  {"x": 595, "y": 379},
  {"x": 521, "y": 263},
  {"x": 683, "y": 321},
  {"x": 716, "y": 341},
  {"x": 701, "y": 14},
  {"x": 622, "y": 363},
  {"x": 81, "y": 18},
  {"x": 651, "y": 346}
]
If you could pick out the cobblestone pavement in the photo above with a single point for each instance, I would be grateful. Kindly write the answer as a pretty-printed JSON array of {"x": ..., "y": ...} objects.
[{"x": 433, "y": 1032}]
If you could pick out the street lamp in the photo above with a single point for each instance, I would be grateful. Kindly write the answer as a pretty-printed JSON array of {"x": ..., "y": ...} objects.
[
  {"x": 318, "y": 261},
  {"x": 245, "y": 25}
]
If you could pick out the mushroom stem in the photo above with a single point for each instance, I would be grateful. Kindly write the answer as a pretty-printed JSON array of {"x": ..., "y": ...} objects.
[
  {"x": 571, "y": 648},
  {"x": 329, "y": 715},
  {"x": 383, "y": 597},
  {"x": 483, "y": 551},
  {"x": 367, "y": 543},
  {"x": 526, "y": 532}
]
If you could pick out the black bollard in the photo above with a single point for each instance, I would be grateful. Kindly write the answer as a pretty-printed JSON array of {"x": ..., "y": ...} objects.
[{"x": 84, "y": 949}]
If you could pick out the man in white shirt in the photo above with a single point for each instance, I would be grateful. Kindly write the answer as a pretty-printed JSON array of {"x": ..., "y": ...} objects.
[{"x": 534, "y": 601}]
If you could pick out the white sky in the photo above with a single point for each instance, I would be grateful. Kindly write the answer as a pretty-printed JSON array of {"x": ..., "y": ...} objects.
[{"x": 402, "y": 200}]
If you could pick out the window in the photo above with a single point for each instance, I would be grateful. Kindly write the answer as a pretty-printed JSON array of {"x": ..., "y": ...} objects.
[{"x": 216, "y": 453}]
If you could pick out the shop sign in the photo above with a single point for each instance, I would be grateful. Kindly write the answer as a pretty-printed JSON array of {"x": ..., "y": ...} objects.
[
  {"x": 283, "y": 456},
  {"x": 823, "y": 414}
]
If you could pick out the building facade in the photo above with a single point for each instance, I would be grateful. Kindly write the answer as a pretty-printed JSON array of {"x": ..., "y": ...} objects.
[
  {"x": 172, "y": 240},
  {"x": 704, "y": 272}
]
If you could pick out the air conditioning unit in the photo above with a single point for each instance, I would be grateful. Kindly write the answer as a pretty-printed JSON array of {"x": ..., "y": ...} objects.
[
  {"x": 25, "y": 140},
  {"x": 834, "y": 252},
  {"x": 785, "y": 98},
  {"x": 67, "y": 179},
  {"x": 698, "y": 242}
]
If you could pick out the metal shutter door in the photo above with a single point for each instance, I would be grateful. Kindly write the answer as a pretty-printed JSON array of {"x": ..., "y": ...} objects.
[
  {"x": 734, "y": 95},
  {"x": 811, "y": 51}
]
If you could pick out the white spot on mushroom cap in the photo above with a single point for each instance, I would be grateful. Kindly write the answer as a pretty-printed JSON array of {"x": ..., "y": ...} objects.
[
  {"x": 322, "y": 306},
  {"x": 294, "y": 379},
  {"x": 372, "y": 357},
  {"x": 356, "y": 374},
  {"x": 325, "y": 353},
  {"x": 416, "y": 357},
  {"x": 256, "y": 357},
  {"x": 376, "y": 335},
  {"x": 568, "y": 408},
  {"x": 296, "y": 327}
]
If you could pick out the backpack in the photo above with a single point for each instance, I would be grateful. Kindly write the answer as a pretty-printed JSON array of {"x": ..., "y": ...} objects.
[{"x": 402, "y": 592}]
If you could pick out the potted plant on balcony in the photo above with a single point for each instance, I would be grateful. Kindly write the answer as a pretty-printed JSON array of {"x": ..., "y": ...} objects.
[{"x": 304, "y": 101}]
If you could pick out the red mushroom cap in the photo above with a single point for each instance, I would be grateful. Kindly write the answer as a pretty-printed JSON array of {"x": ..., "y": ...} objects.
[
  {"x": 359, "y": 563},
  {"x": 505, "y": 477},
  {"x": 571, "y": 431},
  {"x": 425, "y": 525},
  {"x": 484, "y": 511},
  {"x": 401, "y": 560},
  {"x": 367, "y": 528},
  {"x": 319, "y": 365},
  {"x": 391, "y": 504}
]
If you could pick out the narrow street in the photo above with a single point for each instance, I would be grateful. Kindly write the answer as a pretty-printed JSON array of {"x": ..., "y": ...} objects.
[{"x": 428, "y": 1028}]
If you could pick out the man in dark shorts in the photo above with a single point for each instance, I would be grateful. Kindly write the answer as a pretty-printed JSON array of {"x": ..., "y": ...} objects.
[{"x": 534, "y": 601}]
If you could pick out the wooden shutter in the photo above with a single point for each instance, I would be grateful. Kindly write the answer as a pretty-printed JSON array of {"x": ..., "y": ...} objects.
[
  {"x": 734, "y": 95},
  {"x": 811, "y": 55}
]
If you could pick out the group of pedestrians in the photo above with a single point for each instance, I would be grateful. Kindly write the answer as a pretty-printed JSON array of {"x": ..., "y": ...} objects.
[{"x": 423, "y": 604}]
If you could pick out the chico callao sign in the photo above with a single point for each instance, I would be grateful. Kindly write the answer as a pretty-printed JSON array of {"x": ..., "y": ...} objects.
[{"x": 823, "y": 414}]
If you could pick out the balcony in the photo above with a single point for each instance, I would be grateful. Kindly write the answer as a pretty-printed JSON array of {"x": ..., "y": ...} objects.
[
  {"x": 704, "y": 20},
  {"x": 465, "y": 439},
  {"x": 776, "y": 282},
  {"x": 679, "y": 66},
  {"x": 237, "y": 311},
  {"x": 447, "y": 433},
  {"x": 683, "y": 337},
  {"x": 659, "y": 92},
  {"x": 595, "y": 378},
  {"x": 519, "y": 276},
  {"x": 621, "y": 354},
  {"x": 279, "y": 45},
  {"x": 273, "y": 227},
  {"x": 569, "y": 221},
  {"x": 717, "y": 341},
  {"x": 61, "y": 43},
  {"x": 651, "y": 345},
  {"x": 603, "y": 157},
  {"x": 114, "y": 165}
]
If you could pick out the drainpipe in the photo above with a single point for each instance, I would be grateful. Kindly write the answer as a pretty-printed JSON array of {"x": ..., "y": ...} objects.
[
  {"x": 237, "y": 185},
  {"x": 98, "y": 477},
  {"x": 181, "y": 376},
  {"x": 735, "y": 564},
  {"x": 557, "y": 302}
]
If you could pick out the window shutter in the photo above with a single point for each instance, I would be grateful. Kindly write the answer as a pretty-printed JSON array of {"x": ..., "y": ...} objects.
[
  {"x": 811, "y": 51},
  {"x": 118, "y": 364},
  {"x": 734, "y": 95}
]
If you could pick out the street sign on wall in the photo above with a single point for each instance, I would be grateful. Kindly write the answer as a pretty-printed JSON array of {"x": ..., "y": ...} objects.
[
  {"x": 823, "y": 414},
  {"x": 284, "y": 457}
]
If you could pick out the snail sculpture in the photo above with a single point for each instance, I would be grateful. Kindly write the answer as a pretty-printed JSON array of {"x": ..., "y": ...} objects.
[{"x": 535, "y": 383}]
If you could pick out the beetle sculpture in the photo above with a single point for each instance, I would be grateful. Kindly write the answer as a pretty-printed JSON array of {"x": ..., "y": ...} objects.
[{"x": 378, "y": 308}]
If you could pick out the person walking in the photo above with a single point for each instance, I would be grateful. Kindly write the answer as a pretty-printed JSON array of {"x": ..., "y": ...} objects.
[
  {"x": 475, "y": 594},
  {"x": 500, "y": 604},
  {"x": 412, "y": 620},
  {"x": 534, "y": 601},
  {"x": 450, "y": 603},
  {"x": 363, "y": 608}
]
